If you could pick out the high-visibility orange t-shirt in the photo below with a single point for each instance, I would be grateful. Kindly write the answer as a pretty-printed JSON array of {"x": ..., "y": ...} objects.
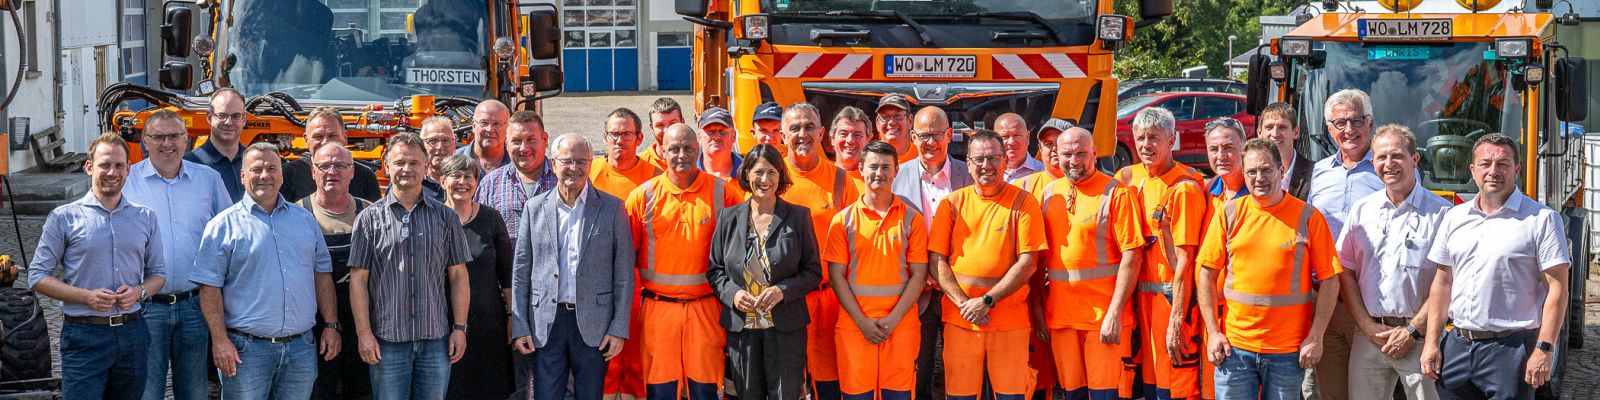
[
  {"x": 910, "y": 154},
  {"x": 823, "y": 190},
  {"x": 883, "y": 252},
  {"x": 857, "y": 180},
  {"x": 1179, "y": 196},
  {"x": 681, "y": 223},
  {"x": 1262, "y": 247},
  {"x": 1035, "y": 183},
  {"x": 982, "y": 237},
  {"x": 648, "y": 156},
  {"x": 1072, "y": 215},
  {"x": 620, "y": 183}
]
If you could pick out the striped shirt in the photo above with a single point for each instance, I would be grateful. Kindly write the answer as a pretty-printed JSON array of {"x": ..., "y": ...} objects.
[{"x": 407, "y": 253}]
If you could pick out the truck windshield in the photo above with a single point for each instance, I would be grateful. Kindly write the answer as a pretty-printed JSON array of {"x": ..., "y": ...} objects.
[
  {"x": 354, "y": 50},
  {"x": 1058, "y": 12},
  {"x": 1448, "y": 94}
]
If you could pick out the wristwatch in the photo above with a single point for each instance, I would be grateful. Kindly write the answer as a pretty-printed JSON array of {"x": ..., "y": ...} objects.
[
  {"x": 459, "y": 327},
  {"x": 144, "y": 294},
  {"x": 1545, "y": 347},
  {"x": 335, "y": 326},
  {"x": 988, "y": 301},
  {"x": 1415, "y": 334}
]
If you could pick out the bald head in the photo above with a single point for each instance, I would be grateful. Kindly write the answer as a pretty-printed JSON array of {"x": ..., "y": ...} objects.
[
  {"x": 1075, "y": 153},
  {"x": 1010, "y": 120},
  {"x": 491, "y": 106},
  {"x": 931, "y": 119},
  {"x": 682, "y": 148},
  {"x": 1014, "y": 135}
]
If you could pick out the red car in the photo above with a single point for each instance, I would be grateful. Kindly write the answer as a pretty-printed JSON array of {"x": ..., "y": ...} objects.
[{"x": 1192, "y": 111}]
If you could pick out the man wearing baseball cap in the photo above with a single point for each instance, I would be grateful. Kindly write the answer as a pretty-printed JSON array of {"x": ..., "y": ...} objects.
[
  {"x": 894, "y": 125},
  {"x": 767, "y": 127},
  {"x": 717, "y": 155}
]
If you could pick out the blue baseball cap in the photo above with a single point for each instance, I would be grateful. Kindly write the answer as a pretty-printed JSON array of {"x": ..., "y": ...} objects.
[
  {"x": 768, "y": 111},
  {"x": 716, "y": 115}
]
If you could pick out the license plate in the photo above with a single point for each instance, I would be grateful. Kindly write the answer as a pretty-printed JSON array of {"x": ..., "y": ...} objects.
[
  {"x": 441, "y": 76},
  {"x": 903, "y": 66},
  {"x": 1405, "y": 29}
]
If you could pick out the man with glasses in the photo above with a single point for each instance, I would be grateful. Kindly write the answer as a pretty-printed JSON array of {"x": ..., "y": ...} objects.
[
  {"x": 983, "y": 246},
  {"x": 719, "y": 155},
  {"x": 1014, "y": 133},
  {"x": 1336, "y": 183},
  {"x": 184, "y": 195},
  {"x": 894, "y": 123},
  {"x": 408, "y": 282},
  {"x": 344, "y": 375},
  {"x": 325, "y": 126},
  {"x": 489, "y": 125},
  {"x": 618, "y": 175},
  {"x": 264, "y": 279},
  {"x": 584, "y": 323},
  {"x": 438, "y": 134},
  {"x": 923, "y": 183},
  {"x": 222, "y": 150}
]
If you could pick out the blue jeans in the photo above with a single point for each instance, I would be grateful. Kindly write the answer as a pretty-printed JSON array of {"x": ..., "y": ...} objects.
[
  {"x": 279, "y": 371},
  {"x": 418, "y": 369},
  {"x": 1248, "y": 375},
  {"x": 179, "y": 342},
  {"x": 103, "y": 361}
]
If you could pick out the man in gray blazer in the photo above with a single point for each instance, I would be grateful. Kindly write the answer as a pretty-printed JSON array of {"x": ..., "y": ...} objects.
[
  {"x": 921, "y": 183},
  {"x": 572, "y": 278}
]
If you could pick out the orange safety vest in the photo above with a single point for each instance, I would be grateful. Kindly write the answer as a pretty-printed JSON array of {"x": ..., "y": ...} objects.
[{"x": 655, "y": 277}]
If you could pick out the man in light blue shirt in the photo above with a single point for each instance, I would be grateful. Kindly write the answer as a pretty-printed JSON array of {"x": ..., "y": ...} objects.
[
  {"x": 1337, "y": 182},
  {"x": 108, "y": 251},
  {"x": 264, "y": 274},
  {"x": 184, "y": 195}
]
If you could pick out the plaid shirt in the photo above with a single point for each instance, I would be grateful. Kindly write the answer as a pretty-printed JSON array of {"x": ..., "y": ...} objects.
[{"x": 502, "y": 190}]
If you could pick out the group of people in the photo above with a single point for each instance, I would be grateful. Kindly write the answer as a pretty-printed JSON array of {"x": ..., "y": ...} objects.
[{"x": 843, "y": 258}]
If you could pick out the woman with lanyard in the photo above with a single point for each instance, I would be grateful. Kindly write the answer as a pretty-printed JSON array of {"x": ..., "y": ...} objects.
[{"x": 764, "y": 259}]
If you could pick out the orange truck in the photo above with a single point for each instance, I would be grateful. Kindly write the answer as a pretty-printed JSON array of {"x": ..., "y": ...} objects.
[
  {"x": 1452, "y": 72},
  {"x": 385, "y": 68},
  {"x": 976, "y": 60}
]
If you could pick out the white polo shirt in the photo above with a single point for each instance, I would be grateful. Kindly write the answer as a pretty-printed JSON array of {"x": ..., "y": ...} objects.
[
  {"x": 1386, "y": 246},
  {"x": 1497, "y": 262}
]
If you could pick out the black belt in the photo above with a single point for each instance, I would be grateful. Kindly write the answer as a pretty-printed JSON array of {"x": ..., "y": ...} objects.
[
  {"x": 566, "y": 306},
  {"x": 1486, "y": 335},
  {"x": 279, "y": 340},
  {"x": 1393, "y": 322},
  {"x": 114, "y": 320},
  {"x": 174, "y": 298},
  {"x": 659, "y": 297}
]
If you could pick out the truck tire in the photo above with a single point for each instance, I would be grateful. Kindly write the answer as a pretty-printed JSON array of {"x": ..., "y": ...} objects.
[{"x": 26, "y": 351}]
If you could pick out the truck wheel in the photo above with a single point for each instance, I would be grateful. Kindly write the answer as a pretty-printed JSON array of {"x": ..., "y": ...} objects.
[{"x": 26, "y": 351}]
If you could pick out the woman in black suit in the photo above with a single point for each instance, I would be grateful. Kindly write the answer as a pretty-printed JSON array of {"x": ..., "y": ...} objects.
[{"x": 764, "y": 286}]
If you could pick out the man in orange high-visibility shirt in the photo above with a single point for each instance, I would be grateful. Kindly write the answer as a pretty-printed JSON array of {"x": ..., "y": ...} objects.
[
  {"x": 1271, "y": 248},
  {"x": 824, "y": 189},
  {"x": 664, "y": 112},
  {"x": 1092, "y": 222},
  {"x": 877, "y": 254},
  {"x": 1039, "y": 355},
  {"x": 983, "y": 245},
  {"x": 1224, "y": 149},
  {"x": 621, "y": 173},
  {"x": 673, "y": 216},
  {"x": 849, "y": 134},
  {"x": 1174, "y": 208}
]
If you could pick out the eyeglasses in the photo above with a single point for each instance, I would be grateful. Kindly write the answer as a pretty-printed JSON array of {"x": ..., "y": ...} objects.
[
  {"x": 229, "y": 117},
  {"x": 165, "y": 137},
  {"x": 926, "y": 137},
  {"x": 439, "y": 142},
  {"x": 334, "y": 166},
  {"x": 572, "y": 161},
  {"x": 986, "y": 160},
  {"x": 1344, "y": 123},
  {"x": 617, "y": 136},
  {"x": 1225, "y": 122}
]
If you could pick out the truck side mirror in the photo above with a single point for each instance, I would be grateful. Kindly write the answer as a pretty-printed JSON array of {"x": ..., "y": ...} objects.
[
  {"x": 177, "y": 75},
  {"x": 1150, "y": 11},
  {"x": 546, "y": 77},
  {"x": 175, "y": 33},
  {"x": 1571, "y": 79},
  {"x": 544, "y": 34},
  {"x": 1256, "y": 88},
  {"x": 692, "y": 8}
]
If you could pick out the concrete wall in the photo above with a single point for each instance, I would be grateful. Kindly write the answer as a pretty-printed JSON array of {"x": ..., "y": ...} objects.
[{"x": 36, "y": 96}]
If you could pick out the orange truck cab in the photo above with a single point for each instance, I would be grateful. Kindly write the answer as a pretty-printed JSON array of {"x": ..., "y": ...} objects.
[{"x": 976, "y": 60}]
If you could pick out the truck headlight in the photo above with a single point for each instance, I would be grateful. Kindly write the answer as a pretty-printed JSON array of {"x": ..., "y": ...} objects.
[
  {"x": 1277, "y": 71},
  {"x": 1295, "y": 47},
  {"x": 1533, "y": 74},
  {"x": 504, "y": 48},
  {"x": 1513, "y": 47},
  {"x": 1112, "y": 27},
  {"x": 755, "y": 27}
]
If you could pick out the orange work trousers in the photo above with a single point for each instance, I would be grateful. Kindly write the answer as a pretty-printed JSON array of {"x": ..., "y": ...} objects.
[
  {"x": 623, "y": 378},
  {"x": 1041, "y": 359},
  {"x": 968, "y": 354},
  {"x": 883, "y": 371},
  {"x": 1181, "y": 381},
  {"x": 681, "y": 347},
  {"x": 1087, "y": 368},
  {"x": 822, "y": 361}
]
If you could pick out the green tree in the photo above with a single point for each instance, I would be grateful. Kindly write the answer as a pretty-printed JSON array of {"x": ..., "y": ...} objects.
[{"x": 1195, "y": 34}]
